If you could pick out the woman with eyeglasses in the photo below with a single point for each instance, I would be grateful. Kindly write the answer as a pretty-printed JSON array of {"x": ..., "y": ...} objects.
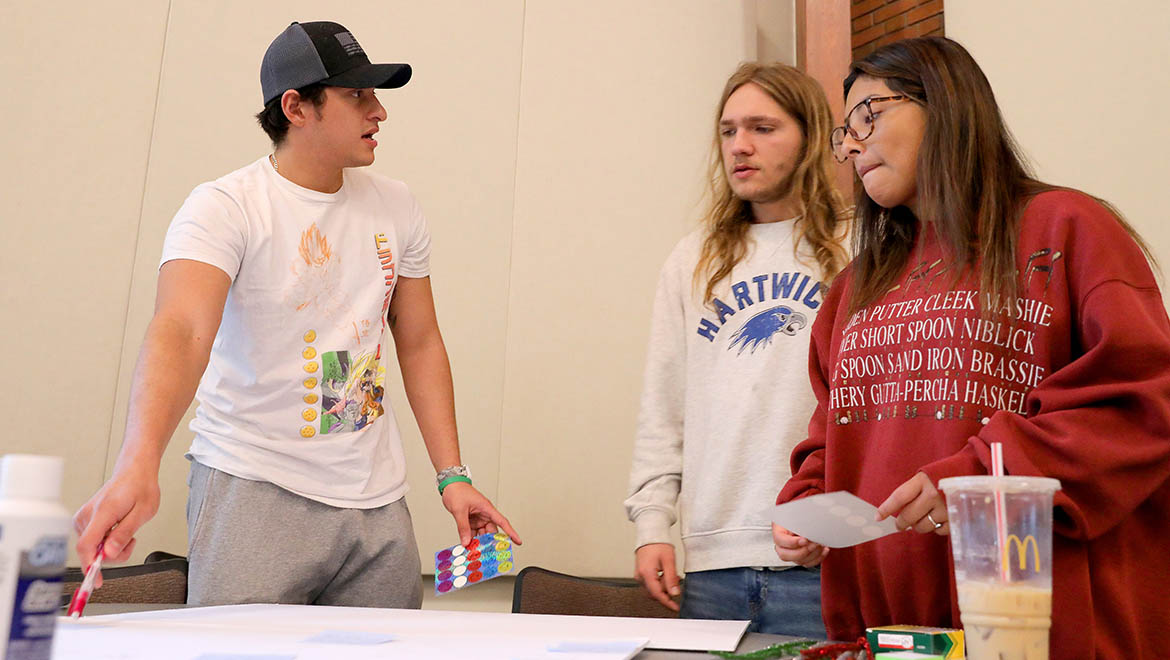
[{"x": 985, "y": 306}]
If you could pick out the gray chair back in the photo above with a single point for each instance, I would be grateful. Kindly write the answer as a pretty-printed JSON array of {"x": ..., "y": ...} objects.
[
  {"x": 163, "y": 580},
  {"x": 541, "y": 591}
]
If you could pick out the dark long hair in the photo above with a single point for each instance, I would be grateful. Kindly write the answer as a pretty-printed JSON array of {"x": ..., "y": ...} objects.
[{"x": 972, "y": 179}]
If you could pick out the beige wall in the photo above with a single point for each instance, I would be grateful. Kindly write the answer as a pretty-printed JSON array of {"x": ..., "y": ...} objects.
[
  {"x": 74, "y": 144},
  {"x": 557, "y": 148},
  {"x": 1085, "y": 87}
]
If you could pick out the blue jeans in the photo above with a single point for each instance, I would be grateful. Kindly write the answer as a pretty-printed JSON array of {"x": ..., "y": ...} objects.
[{"x": 784, "y": 602}]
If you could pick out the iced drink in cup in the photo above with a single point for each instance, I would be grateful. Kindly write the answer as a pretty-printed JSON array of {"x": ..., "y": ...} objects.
[{"x": 1001, "y": 537}]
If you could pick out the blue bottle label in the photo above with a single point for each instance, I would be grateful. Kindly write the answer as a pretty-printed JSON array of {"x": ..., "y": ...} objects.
[{"x": 37, "y": 598}]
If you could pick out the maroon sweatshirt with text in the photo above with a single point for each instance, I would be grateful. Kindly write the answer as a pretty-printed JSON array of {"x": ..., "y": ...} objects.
[{"x": 1072, "y": 376}]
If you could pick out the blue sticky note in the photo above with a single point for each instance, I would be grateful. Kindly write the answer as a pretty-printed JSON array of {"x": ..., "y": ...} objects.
[
  {"x": 357, "y": 637},
  {"x": 244, "y": 656},
  {"x": 598, "y": 646}
]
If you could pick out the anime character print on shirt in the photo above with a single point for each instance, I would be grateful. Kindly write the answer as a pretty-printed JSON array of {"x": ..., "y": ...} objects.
[
  {"x": 342, "y": 389},
  {"x": 927, "y": 350},
  {"x": 317, "y": 277},
  {"x": 351, "y": 391},
  {"x": 772, "y": 304}
]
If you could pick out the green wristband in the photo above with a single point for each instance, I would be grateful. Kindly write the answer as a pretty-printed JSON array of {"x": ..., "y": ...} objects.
[{"x": 452, "y": 479}]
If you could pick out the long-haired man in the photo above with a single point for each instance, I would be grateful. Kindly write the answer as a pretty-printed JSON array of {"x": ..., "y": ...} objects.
[{"x": 725, "y": 397}]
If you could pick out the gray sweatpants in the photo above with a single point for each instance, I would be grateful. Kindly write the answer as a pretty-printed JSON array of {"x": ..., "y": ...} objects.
[{"x": 254, "y": 542}]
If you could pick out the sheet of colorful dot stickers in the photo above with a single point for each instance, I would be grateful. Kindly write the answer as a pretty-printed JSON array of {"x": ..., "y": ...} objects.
[{"x": 484, "y": 557}]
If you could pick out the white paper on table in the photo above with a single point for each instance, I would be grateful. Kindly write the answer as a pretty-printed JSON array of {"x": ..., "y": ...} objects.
[
  {"x": 440, "y": 629},
  {"x": 837, "y": 520},
  {"x": 92, "y": 640},
  {"x": 174, "y": 641}
]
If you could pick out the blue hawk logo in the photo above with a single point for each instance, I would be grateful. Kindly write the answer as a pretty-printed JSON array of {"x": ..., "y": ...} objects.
[{"x": 760, "y": 328}]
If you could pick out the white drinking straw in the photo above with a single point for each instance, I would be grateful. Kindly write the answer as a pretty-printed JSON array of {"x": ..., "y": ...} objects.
[{"x": 1000, "y": 514}]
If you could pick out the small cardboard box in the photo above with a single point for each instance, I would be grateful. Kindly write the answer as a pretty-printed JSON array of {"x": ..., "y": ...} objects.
[
  {"x": 946, "y": 643},
  {"x": 905, "y": 655}
]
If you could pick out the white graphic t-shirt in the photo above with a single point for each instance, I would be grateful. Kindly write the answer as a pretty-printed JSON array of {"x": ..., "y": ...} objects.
[{"x": 293, "y": 391}]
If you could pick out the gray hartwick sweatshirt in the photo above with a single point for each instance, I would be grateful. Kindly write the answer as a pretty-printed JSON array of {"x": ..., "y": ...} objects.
[{"x": 726, "y": 397}]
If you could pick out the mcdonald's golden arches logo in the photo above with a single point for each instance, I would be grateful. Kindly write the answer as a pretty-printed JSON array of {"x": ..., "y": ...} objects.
[{"x": 1022, "y": 550}]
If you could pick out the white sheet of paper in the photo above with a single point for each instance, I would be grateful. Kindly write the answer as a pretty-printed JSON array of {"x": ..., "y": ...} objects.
[
  {"x": 82, "y": 638},
  {"x": 438, "y": 629},
  {"x": 837, "y": 520},
  {"x": 175, "y": 641}
]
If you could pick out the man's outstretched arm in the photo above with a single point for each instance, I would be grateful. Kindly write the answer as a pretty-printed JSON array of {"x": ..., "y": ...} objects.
[
  {"x": 188, "y": 308},
  {"x": 426, "y": 375}
]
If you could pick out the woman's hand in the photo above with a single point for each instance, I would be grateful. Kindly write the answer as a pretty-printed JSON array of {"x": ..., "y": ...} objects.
[
  {"x": 917, "y": 505},
  {"x": 797, "y": 549}
]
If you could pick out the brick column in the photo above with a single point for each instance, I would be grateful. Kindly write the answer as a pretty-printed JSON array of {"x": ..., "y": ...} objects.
[
  {"x": 878, "y": 22},
  {"x": 823, "y": 52}
]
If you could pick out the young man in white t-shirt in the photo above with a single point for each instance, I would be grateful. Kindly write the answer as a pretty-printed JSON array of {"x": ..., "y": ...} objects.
[{"x": 276, "y": 284}]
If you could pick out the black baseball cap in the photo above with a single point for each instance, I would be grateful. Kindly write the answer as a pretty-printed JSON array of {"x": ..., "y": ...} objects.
[{"x": 323, "y": 52}]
